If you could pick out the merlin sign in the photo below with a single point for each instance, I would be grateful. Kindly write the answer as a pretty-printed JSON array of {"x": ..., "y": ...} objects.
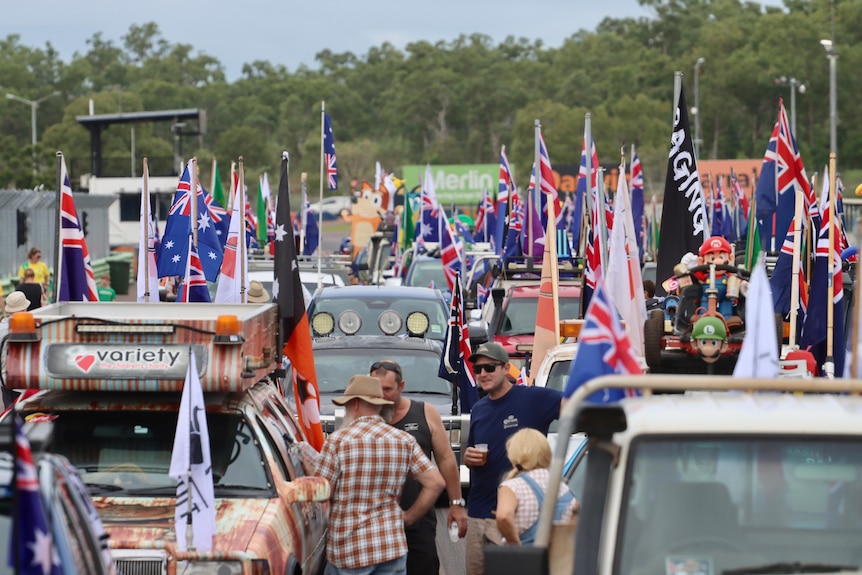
[{"x": 459, "y": 184}]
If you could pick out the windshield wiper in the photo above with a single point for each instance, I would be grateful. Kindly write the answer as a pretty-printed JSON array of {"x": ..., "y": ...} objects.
[{"x": 785, "y": 567}]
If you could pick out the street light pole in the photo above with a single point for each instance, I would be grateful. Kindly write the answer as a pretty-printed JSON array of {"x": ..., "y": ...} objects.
[
  {"x": 795, "y": 86},
  {"x": 697, "y": 140},
  {"x": 832, "y": 54},
  {"x": 34, "y": 105}
]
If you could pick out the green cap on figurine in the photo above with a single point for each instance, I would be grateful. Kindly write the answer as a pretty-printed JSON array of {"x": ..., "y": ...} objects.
[{"x": 709, "y": 328}]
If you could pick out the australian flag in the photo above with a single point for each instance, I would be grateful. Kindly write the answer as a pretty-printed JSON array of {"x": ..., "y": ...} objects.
[
  {"x": 486, "y": 219},
  {"x": 312, "y": 232},
  {"x": 781, "y": 173},
  {"x": 77, "y": 280},
  {"x": 450, "y": 252},
  {"x": 194, "y": 286},
  {"x": 220, "y": 217},
  {"x": 505, "y": 193},
  {"x": 173, "y": 252},
  {"x": 329, "y": 153},
  {"x": 603, "y": 349},
  {"x": 456, "y": 349},
  {"x": 429, "y": 211},
  {"x": 36, "y": 553}
]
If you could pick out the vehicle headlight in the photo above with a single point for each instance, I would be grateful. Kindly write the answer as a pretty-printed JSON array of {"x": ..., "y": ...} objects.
[
  {"x": 389, "y": 322},
  {"x": 417, "y": 324},
  {"x": 349, "y": 322},
  {"x": 323, "y": 323},
  {"x": 210, "y": 568}
]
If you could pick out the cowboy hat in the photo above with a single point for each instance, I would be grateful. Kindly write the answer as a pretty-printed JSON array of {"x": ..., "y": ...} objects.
[
  {"x": 257, "y": 293},
  {"x": 365, "y": 388},
  {"x": 16, "y": 301}
]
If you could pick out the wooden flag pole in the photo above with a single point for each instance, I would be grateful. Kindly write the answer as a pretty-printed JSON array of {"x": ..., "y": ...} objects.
[
  {"x": 145, "y": 198},
  {"x": 830, "y": 275},
  {"x": 241, "y": 240}
]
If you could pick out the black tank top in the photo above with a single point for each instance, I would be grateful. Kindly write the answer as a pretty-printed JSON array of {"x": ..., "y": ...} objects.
[{"x": 415, "y": 424}]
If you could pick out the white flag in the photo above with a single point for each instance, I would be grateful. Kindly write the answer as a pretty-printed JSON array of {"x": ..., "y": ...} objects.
[
  {"x": 191, "y": 467},
  {"x": 623, "y": 278},
  {"x": 759, "y": 354},
  {"x": 235, "y": 258},
  {"x": 147, "y": 277}
]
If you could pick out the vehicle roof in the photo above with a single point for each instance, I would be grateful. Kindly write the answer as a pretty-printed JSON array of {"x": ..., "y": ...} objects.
[
  {"x": 744, "y": 413},
  {"x": 376, "y": 342},
  {"x": 360, "y": 291},
  {"x": 532, "y": 291},
  {"x": 128, "y": 401}
]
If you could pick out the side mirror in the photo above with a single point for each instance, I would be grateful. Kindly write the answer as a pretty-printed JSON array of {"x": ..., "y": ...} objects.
[{"x": 478, "y": 333}]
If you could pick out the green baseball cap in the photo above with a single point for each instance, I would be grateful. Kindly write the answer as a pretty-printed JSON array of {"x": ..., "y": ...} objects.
[{"x": 709, "y": 328}]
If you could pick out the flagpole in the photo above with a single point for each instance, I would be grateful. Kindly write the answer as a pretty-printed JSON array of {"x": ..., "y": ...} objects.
[
  {"x": 322, "y": 168},
  {"x": 241, "y": 239},
  {"x": 829, "y": 366},
  {"x": 794, "y": 274},
  {"x": 145, "y": 198},
  {"x": 303, "y": 215},
  {"x": 193, "y": 176},
  {"x": 190, "y": 532},
  {"x": 603, "y": 220},
  {"x": 212, "y": 177},
  {"x": 857, "y": 307},
  {"x": 58, "y": 238},
  {"x": 537, "y": 189}
]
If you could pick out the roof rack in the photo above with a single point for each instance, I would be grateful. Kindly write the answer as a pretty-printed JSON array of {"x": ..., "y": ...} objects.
[{"x": 568, "y": 267}]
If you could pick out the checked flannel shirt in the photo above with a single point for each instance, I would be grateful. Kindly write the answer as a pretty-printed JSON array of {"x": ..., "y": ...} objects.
[{"x": 366, "y": 464}]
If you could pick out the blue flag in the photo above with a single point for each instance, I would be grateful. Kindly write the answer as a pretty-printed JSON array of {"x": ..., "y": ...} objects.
[
  {"x": 173, "y": 251},
  {"x": 77, "y": 280},
  {"x": 194, "y": 286},
  {"x": 312, "y": 232},
  {"x": 453, "y": 364},
  {"x": 36, "y": 552},
  {"x": 603, "y": 349},
  {"x": 329, "y": 154}
]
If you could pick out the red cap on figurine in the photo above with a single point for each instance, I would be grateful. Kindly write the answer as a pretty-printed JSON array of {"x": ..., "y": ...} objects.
[
  {"x": 808, "y": 357},
  {"x": 715, "y": 244}
]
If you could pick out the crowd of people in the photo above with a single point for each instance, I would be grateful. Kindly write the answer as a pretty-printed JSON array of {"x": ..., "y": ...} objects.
[{"x": 384, "y": 484}]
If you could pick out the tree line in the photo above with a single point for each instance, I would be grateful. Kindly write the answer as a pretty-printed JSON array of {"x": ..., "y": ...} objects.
[{"x": 452, "y": 102}]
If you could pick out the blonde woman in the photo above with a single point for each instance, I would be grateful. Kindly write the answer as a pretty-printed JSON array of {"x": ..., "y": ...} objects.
[{"x": 520, "y": 495}]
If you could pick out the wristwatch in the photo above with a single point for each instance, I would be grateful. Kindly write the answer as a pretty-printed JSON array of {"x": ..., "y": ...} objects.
[{"x": 458, "y": 502}]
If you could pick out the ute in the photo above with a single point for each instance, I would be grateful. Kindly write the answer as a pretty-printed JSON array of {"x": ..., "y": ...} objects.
[
  {"x": 725, "y": 475},
  {"x": 110, "y": 377}
]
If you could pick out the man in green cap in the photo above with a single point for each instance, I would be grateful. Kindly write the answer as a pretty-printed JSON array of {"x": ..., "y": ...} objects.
[{"x": 709, "y": 338}]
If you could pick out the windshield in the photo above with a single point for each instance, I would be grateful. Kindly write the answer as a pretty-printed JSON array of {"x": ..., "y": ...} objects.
[
  {"x": 519, "y": 315},
  {"x": 128, "y": 453},
  {"x": 557, "y": 379},
  {"x": 370, "y": 309},
  {"x": 335, "y": 367},
  {"x": 427, "y": 273},
  {"x": 715, "y": 505}
]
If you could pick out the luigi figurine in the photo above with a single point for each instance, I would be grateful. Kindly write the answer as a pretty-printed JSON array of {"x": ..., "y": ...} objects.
[{"x": 709, "y": 338}]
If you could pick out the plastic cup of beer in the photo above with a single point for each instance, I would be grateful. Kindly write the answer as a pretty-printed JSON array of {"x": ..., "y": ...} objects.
[{"x": 483, "y": 448}]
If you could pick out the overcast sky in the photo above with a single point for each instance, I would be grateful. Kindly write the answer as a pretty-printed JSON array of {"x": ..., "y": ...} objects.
[{"x": 291, "y": 33}]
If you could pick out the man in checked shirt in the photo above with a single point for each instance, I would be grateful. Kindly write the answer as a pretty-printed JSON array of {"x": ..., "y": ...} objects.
[{"x": 366, "y": 462}]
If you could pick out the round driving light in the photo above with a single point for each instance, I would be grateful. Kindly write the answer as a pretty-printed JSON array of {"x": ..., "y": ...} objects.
[
  {"x": 323, "y": 323},
  {"x": 417, "y": 324},
  {"x": 389, "y": 322},
  {"x": 349, "y": 322}
]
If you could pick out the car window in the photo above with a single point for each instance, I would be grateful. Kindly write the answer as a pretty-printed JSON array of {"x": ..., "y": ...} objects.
[
  {"x": 274, "y": 450},
  {"x": 428, "y": 272},
  {"x": 129, "y": 452},
  {"x": 519, "y": 314}
]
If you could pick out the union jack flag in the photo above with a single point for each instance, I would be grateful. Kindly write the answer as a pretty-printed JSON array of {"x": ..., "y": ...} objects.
[
  {"x": 453, "y": 366},
  {"x": 549, "y": 187},
  {"x": 780, "y": 175},
  {"x": 329, "y": 153},
  {"x": 429, "y": 216},
  {"x": 506, "y": 188},
  {"x": 219, "y": 215},
  {"x": 194, "y": 286},
  {"x": 486, "y": 218},
  {"x": 77, "y": 280},
  {"x": 603, "y": 349},
  {"x": 739, "y": 194},
  {"x": 450, "y": 252},
  {"x": 782, "y": 275},
  {"x": 36, "y": 553}
]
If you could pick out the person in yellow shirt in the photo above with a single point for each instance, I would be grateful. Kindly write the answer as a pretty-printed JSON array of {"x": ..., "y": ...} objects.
[{"x": 35, "y": 263}]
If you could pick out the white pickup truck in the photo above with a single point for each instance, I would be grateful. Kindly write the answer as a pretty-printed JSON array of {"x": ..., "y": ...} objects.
[{"x": 728, "y": 475}]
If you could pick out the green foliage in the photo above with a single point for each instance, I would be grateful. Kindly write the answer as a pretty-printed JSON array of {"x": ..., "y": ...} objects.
[{"x": 451, "y": 101}]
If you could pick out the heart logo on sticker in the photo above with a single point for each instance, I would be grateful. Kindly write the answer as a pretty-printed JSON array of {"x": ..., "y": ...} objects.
[{"x": 85, "y": 362}]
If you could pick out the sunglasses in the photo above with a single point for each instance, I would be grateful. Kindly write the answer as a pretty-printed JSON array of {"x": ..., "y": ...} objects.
[
  {"x": 387, "y": 365},
  {"x": 486, "y": 367}
]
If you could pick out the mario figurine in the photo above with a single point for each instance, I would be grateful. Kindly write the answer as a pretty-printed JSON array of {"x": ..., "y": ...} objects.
[
  {"x": 709, "y": 338},
  {"x": 716, "y": 250}
]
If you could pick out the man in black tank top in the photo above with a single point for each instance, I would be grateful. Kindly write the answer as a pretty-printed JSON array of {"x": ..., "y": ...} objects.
[{"x": 423, "y": 422}]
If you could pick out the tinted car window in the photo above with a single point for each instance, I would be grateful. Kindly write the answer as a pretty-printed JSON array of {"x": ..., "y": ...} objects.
[{"x": 519, "y": 316}]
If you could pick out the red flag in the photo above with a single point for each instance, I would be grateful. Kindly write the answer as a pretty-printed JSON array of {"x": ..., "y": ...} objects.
[{"x": 287, "y": 291}]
